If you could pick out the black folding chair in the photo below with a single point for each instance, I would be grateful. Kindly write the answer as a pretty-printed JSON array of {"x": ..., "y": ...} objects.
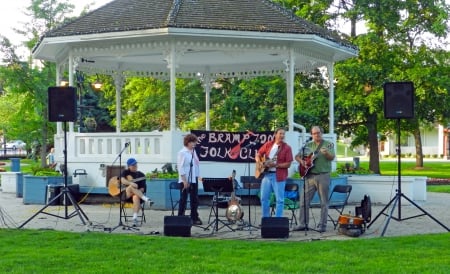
[{"x": 338, "y": 200}]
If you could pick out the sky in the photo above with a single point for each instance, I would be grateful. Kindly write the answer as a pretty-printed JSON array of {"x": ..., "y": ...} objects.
[{"x": 12, "y": 16}]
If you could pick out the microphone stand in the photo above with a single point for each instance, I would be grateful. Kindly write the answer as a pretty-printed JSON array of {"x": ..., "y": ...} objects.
[
  {"x": 121, "y": 201},
  {"x": 249, "y": 226}
]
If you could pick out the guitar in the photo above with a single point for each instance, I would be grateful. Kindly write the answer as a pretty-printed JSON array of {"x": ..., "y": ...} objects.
[
  {"x": 260, "y": 167},
  {"x": 309, "y": 164},
  {"x": 234, "y": 211},
  {"x": 234, "y": 152},
  {"x": 113, "y": 184}
]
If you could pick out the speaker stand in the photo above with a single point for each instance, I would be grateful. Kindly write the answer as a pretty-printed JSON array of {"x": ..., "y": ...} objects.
[
  {"x": 67, "y": 197},
  {"x": 397, "y": 199}
]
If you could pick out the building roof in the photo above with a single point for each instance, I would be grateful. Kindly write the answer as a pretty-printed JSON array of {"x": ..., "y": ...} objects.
[{"x": 243, "y": 15}]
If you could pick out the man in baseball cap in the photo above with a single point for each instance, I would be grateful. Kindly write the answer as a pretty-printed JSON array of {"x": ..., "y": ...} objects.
[{"x": 134, "y": 181}]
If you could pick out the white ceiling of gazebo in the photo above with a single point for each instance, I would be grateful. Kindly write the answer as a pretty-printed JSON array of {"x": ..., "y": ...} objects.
[{"x": 219, "y": 52}]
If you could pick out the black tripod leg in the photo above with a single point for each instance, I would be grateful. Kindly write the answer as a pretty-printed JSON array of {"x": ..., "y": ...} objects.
[
  {"x": 425, "y": 213},
  {"x": 396, "y": 199},
  {"x": 77, "y": 209},
  {"x": 382, "y": 211}
]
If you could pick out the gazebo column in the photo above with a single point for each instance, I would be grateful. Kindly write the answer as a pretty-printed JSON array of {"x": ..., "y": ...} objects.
[
  {"x": 118, "y": 81},
  {"x": 171, "y": 65},
  {"x": 206, "y": 79},
  {"x": 72, "y": 67},
  {"x": 290, "y": 89},
  {"x": 330, "y": 69},
  {"x": 59, "y": 76}
]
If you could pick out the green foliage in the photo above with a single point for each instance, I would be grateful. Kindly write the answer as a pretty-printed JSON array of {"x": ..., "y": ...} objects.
[
  {"x": 167, "y": 172},
  {"x": 44, "y": 171},
  {"x": 349, "y": 168}
]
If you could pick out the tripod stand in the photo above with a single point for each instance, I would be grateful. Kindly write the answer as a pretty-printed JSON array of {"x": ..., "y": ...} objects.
[
  {"x": 397, "y": 198},
  {"x": 65, "y": 192},
  {"x": 217, "y": 185},
  {"x": 121, "y": 201}
]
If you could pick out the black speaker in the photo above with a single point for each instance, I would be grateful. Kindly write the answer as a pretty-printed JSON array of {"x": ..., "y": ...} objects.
[
  {"x": 398, "y": 100},
  {"x": 177, "y": 226},
  {"x": 62, "y": 104},
  {"x": 275, "y": 227}
]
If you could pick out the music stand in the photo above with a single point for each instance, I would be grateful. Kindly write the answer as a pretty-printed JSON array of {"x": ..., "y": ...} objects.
[
  {"x": 66, "y": 194},
  {"x": 217, "y": 185},
  {"x": 250, "y": 182}
]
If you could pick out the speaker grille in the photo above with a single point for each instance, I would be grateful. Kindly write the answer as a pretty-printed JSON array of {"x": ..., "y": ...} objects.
[
  {"x": 62, "y": 104},
  {"x": 177, "y": 226},
  {"x": 398, "y": 100},
  {"x": 275, "y": 227}
]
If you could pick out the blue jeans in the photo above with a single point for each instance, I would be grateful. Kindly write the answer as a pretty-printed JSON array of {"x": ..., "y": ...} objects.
[{"x": 269, "y": 183}]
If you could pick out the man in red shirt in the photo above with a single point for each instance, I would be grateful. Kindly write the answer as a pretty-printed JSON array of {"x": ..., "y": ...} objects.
[{"x": 275, "y": 157}]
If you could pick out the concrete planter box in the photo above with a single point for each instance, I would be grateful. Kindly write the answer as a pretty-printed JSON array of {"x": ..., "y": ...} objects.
[
  {"x": 382, "y": 189},
  {"x": 342, "y": 180},
  {"x": 9, "y": 181},
  {"x": 35, "y": 187},
  {"x": 158, "y": 190}
]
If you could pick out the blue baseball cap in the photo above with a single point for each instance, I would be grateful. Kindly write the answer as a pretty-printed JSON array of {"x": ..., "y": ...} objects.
[{"x": 131, "y": 162}]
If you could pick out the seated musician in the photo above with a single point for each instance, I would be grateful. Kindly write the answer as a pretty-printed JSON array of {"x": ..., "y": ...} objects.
[{"x": 134, "y": 181}]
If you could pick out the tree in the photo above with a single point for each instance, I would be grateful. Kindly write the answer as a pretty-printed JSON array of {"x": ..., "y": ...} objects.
[{"x": 23, "y": 80}]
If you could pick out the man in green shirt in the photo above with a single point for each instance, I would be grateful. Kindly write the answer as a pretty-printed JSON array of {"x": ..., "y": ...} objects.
[{"x": 317, "y": 164}]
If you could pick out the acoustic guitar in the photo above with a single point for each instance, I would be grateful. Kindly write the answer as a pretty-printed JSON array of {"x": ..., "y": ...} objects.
[
  {"x": 260, "y": 167},
  {"x": 234, "y": 211},
  {"x": 113, "y": 184}
]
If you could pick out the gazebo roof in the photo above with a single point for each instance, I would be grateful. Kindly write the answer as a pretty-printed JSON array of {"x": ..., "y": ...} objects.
[{"x": 246, "y": 37}]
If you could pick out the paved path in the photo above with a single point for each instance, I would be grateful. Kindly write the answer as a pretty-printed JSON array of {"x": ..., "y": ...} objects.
[{"x": 103, "y": 217}]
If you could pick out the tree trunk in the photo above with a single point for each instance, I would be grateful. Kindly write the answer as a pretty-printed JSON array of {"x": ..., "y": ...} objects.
[
  {"x": 418, "y": 144},
  {"x": 374, "y": 153}
]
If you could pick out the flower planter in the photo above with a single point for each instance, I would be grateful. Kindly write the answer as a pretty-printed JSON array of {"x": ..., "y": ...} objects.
[
  {"x": 35, "y": 187},
  {"x": 341, "y": 180},
  {"x": 382, "y": 189},
  {"x": 159, "y": 192}
]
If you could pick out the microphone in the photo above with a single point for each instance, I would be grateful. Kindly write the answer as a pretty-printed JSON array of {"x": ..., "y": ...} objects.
[
  {"x": 307, "y": 141},
  {"x": 127, "y": 144},
  {"x": 251, "y": 144}
]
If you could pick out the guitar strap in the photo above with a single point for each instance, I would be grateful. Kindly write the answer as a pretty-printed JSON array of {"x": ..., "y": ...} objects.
[{"x": 318, "y": 147}]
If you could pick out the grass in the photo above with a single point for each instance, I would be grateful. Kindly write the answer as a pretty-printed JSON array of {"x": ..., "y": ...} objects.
[{"x": 40, "y": 251}]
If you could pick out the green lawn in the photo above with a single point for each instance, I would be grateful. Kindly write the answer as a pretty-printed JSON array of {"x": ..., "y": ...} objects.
[{"x": 34, "y": 251}]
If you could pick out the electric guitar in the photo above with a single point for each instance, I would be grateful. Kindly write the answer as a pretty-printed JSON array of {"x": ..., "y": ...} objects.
[
  {"x": 113, "y": 184},
  {"x": 308, "y": 164}
]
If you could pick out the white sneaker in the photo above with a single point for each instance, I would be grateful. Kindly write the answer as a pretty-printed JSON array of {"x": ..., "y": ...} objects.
[{"x": 135, "y": 222}]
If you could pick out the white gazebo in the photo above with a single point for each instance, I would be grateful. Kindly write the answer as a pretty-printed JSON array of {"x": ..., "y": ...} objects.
[{"x": 183, "y": 38}]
